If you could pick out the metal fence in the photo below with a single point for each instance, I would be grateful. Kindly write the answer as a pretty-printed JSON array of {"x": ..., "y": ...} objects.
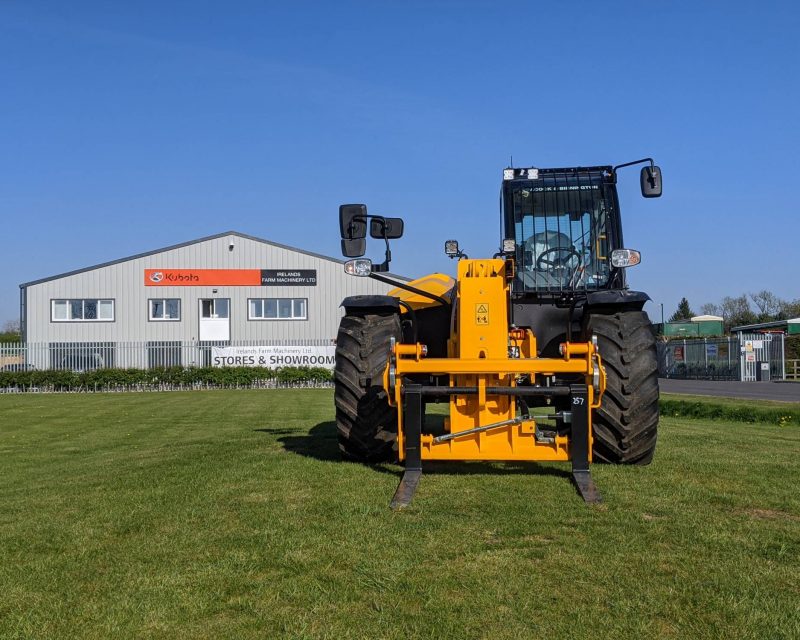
[
  {"x": 86, "y": 356},
  {"x": 744, "y": 357}
]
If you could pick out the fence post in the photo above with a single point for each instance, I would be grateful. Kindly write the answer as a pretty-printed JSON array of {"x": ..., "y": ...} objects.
[
  {"x": 783, "y": 358},
  {"x": 729, "y": 353},
  {"x": 742, "y": 358},
  {"x": 686, "y": 358}
]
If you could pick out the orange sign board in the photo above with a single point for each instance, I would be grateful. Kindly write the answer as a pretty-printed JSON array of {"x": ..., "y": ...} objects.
[{"x": 201, "y": 277}]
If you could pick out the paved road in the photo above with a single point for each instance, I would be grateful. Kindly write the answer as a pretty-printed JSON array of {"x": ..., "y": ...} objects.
[{"x": 782, "y": 391}]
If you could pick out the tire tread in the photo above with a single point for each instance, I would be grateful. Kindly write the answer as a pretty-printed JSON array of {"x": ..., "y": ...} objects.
[
  {"x": 625, "y": 426},
  {"x": 365, "y": 423}
]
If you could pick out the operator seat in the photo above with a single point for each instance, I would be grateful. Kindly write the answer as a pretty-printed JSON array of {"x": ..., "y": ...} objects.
[
  {"x": 538, "y": 243},
  {"x": 548, "y": 275}
]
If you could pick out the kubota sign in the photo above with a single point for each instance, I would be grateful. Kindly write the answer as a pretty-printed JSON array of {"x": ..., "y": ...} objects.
[{"x": 229, "y": 277}]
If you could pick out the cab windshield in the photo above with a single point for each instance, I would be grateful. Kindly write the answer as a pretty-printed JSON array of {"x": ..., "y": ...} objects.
[{"x": 561, "y": 230}]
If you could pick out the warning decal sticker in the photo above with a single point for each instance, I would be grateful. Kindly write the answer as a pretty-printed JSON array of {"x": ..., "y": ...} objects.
[{"x": 482, "y": 313}]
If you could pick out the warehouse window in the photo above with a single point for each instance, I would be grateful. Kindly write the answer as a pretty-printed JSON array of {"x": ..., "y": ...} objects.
[
  {"x": 82, "y": 310},
  {"x": 164, "y": 309},
  {"x": 277, "y": 309}
]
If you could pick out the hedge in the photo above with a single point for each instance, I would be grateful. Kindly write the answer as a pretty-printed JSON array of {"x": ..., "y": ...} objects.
[
  {"x": 732, "y": 413},
  {"x": 171, "y": 376}
]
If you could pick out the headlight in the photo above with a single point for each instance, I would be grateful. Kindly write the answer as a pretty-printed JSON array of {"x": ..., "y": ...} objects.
[
  {"x": 360, "y": 267},
  {"x": 625, "y": 258}
]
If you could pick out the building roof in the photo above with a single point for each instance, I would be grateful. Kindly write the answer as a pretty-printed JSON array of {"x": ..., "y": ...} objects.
[
  {"x": 776, "y": 324},
  {"x": 186, "y": 244},
  {"x": 707, "y": 318}
]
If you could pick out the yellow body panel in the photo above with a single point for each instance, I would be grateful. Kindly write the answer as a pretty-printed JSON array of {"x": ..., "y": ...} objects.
[
  {"x": 438, "y": 284},
  {"x": 508, "y": 443},
  {"x": 478, "y": 356},
  {"x": 482, "y": 329}
]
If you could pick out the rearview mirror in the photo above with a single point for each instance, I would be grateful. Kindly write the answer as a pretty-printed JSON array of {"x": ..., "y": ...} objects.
[
  {"x": 353, "y": 228},
  {"x": 650, "y": 179},
  {"x": 389, "y": 228}
]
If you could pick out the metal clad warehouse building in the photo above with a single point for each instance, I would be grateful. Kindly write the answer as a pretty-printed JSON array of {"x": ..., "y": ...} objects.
[{"x": 169, "y": 306}]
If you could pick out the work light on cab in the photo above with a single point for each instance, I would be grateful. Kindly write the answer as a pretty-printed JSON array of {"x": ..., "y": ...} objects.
[{"x": 451, "y": 248}]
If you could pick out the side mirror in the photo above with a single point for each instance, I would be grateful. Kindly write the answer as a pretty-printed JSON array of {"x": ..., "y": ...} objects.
[
  {"x": 388, "y": 228},
  {"x": 650, "y": 179},
  {"x": 353, "y": 228}
]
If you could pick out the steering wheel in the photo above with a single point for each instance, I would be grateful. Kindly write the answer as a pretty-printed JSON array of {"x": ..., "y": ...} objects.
[{"x": 562, "y": 257}]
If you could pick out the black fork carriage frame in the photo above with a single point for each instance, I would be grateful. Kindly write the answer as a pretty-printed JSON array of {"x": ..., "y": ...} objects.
[{"x": 414, "y": 408}]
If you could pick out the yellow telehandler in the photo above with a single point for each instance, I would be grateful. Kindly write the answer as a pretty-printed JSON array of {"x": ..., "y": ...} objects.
[{"x": 542, "y": 352}]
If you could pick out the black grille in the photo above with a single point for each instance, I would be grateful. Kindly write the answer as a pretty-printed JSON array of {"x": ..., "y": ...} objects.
[{"x": 561, "y": 222}]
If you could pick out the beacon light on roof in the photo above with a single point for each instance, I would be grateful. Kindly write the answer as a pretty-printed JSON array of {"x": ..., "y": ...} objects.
[
  {"x": 625, "y": 258},
  {"x": 361, "y": 267}
]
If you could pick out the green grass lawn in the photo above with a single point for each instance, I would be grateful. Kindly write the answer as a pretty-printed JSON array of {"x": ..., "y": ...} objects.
[{"x": 227, "y": 514}]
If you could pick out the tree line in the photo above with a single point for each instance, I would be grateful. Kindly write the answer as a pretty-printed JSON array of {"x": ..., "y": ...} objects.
[
  {"x": 10, "y": 332},
  {"x": 748, "y": 308}
]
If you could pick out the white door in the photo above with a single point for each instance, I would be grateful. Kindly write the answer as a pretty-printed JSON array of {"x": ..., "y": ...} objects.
[{"x": 215, "y": 319}]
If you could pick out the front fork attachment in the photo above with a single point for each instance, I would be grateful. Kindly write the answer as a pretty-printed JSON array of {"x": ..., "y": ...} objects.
[
  {"x": 413, "y": 408},
  {"x": 412, "y": 437},
  {"x": 579, "y": 445}
]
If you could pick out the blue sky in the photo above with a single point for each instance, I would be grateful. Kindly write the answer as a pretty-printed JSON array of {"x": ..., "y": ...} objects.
[{"x": 125, "y": 127}]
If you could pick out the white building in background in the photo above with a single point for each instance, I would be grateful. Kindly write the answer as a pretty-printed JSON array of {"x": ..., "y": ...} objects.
[{"x": 225, "y": 289}]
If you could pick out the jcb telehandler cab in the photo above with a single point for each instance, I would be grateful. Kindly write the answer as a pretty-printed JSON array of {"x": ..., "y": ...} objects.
[{"x": 542, "y": 352}]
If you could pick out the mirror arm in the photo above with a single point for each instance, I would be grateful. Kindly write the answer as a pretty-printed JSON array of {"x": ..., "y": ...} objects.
[
  {"x": 388, "y": 258},
  {"x": 384, "y": 266},
  {"x": 354, "y": 220},
  {"x": 629, "y": 164}
]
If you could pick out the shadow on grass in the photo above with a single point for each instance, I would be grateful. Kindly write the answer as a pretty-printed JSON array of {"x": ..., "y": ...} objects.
[{"x": 321, "y": 443}]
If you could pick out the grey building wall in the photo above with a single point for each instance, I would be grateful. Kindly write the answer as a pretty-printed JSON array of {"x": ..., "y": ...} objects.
[{"x": 124, "y": 282}]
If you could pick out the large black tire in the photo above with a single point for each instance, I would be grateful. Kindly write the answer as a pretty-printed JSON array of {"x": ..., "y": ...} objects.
[
  {"x": 366, "y": 424},
  {"x": 625, "y": 427}
]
